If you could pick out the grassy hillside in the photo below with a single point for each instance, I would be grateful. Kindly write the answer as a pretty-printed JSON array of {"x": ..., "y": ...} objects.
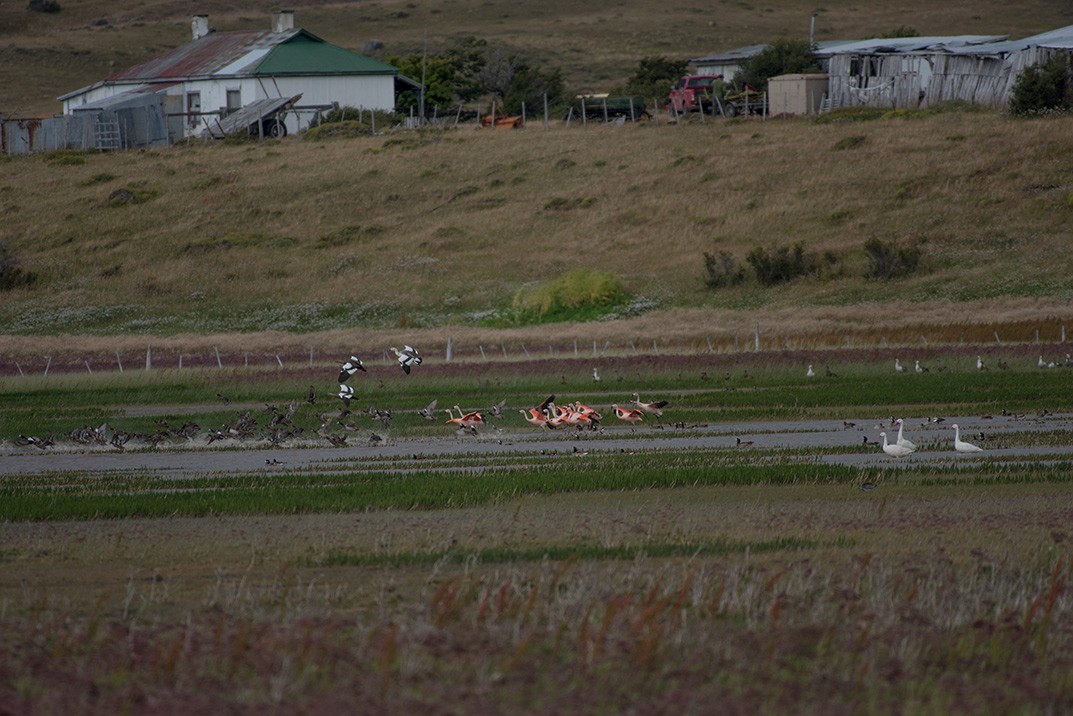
[
  {"x": 597, "y": 44},
  {"x": 428, "y": 228}
]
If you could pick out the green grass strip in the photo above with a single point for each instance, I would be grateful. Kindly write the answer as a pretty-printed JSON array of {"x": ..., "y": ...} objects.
[{"x": 558, "y": 553}]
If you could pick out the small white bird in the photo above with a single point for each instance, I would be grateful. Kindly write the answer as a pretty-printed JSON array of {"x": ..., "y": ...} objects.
[
  {"x": 810, "y": 373},
  {"x": 595, "y": 375},
  {"x": 894, "y": 450},
  {"x": 408, "y": 357},
  {"x": 919, "y": 368},
  {"x": 898, "y": 367},
  {"x": 346, "y": 394},
  {"x": 962, "y": 446},
  {"x": 349, "y": 368},
  {"x": 980, "y": 363},
  {"x": 904, "y": 442}
]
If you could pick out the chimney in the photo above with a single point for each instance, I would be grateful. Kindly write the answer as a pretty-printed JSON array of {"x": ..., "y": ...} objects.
[
  {"x": 283, "y": 21},
  {"x": 200, "y": 26}
]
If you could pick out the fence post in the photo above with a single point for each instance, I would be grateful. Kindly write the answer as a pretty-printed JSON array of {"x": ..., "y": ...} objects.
[
  {"x": 88, "y": 369},
  {"x": 756, "y": 337},
  {"x": 148, "y": 359},
  {"x": 118, "y": 361},
  {"x": 449, "y": 350},
  {"x": 48, "y": 364},
  {"x": 279, "y": 360}
]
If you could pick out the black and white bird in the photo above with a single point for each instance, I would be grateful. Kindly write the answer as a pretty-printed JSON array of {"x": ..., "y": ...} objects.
[
  {"x": 408, "y": 357},
  {"x": 349, "y": 368},
  {"x": 346, "y": 394}
]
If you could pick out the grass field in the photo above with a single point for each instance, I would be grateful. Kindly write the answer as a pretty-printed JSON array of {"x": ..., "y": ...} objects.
[
  {"x": 573, "y": 576},
  {"x": 481, "y": 582}
]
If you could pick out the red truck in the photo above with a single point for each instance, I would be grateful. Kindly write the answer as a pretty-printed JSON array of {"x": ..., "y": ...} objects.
[{"x": 695, "y": 91}]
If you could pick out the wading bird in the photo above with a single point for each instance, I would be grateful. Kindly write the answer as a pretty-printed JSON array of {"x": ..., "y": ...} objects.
[
  {"x": 628, "y": 415},
  {"x": 653, "y": 408}
]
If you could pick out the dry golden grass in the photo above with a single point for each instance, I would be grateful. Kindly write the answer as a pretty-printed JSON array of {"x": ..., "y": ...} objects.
[{"x": 415, "y": 231}]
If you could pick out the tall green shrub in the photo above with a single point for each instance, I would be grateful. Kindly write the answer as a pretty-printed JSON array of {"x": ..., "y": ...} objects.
[{"x": 1043, "y": 87}]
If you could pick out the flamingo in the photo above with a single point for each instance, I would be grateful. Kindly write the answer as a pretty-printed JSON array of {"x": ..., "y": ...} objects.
[
  {"x": 628, "y": 415},
  {"x": 535, "y": 417},
  {"x": 654, "y": 408},
  {"x": 904, "y": 442},
  {"x": 351, "y": 367},
  {"x": 407, "y": 357},
  {"x": 962, "y": 446},
  {"x": 894, "y": 450}
]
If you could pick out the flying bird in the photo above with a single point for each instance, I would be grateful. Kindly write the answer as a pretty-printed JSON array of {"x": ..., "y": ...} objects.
[
  {"x": 346, "y": 394},
  {"x": 428, "y": 412},
  {"x": 408, "y": 357},
  {"x": 351, "y": 367}
]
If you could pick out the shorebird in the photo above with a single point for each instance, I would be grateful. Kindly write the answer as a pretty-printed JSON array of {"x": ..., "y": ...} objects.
[
  {"x": 346, "y": 394},
  {"x": 962, "y": 446},
  {"x": 351, "y": 367},
  {"x": 408, "y": 357}
]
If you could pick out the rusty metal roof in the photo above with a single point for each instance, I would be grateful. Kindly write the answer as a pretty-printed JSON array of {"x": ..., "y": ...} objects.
[{"x": 242, "y": 53}]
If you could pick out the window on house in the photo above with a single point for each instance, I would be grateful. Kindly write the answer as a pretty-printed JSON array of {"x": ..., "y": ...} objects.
[
  {"x": 234, "y": 99},
  {"x": 193, "y": 107}
]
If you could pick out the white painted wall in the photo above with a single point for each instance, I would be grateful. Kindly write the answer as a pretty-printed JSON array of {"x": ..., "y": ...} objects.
[{"x": 368, "y": 92}]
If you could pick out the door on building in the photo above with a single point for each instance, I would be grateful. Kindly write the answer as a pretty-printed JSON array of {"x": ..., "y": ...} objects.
[{"x": 193, "y": 109}]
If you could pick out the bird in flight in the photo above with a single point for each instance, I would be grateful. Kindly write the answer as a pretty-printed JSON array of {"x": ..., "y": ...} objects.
[
  {"x": 351, "y": 367},
  {"x": 346, "y": 394},
  {"x": 408, "y": 357}
]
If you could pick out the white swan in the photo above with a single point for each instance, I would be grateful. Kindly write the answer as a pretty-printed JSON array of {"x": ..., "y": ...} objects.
[
  {"x": 962, "y": 446},
  {"x": 894, "y": 450},
  {"x": 904, "y": 442}
]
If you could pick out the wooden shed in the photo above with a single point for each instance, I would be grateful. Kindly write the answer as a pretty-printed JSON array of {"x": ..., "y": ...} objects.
[{"x": 796, "y": 94}]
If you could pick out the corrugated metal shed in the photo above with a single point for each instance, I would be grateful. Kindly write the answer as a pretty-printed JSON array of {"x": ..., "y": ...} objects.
[{"x": 907, "y": 44}]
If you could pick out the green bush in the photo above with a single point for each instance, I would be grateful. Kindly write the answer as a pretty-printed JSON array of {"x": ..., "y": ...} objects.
[
  {"x": 782, "y": 264},
  {"x": 722, "y": 270},
  {"x": 887, "y": 260},
  {"x": 579, "y": 294},
  {"x": 1043, "y": 88}
]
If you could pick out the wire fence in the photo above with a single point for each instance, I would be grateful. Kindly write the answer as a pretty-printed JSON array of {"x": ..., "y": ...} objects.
[{"x": 1048, "y": 339}]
